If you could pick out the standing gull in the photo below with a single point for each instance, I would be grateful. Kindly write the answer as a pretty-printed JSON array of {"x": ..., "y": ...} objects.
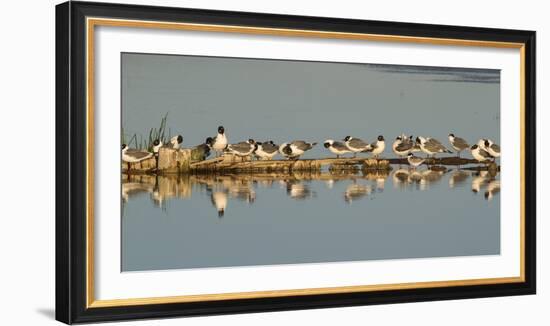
[
  {"x": 133, "y": 155},
  {"x": 458, "y": 144},
  {"x": 219, "y": 143},
  {"x": 377, "y": 147},
  {"x": 157, "y": 144},
  {"x": 356, "y": 145},
  {"x": 336, "y": 147}
]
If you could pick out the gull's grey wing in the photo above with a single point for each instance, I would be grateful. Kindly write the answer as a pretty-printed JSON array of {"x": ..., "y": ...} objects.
[
  {"x": 434, "y": 145},
  {"x": 460, "y": 143},
  {"x": 357, "y": 143},
  {"x": 404, "y": 146},
  {"x": 302, "y": 145},
  {"x": 270, "y": 148},
  {"x": 495, "y": 148},
  {"x": 340, "y": 146},
  {"x": 242, "y": 147},
  {"x": 435, "y": 141},
  {"x": 484, "y": 153}
]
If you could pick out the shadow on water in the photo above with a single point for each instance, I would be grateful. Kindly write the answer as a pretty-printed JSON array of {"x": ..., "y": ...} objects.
[{"x": 301, "y": 186}]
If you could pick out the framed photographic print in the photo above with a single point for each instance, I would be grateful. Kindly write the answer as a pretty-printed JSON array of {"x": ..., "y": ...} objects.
[{"x": 214, "y": 162}]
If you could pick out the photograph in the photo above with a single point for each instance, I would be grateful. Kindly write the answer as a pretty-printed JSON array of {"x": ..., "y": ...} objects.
[
  {"x": 217, "y": 162},
  {"x": 234, "y": 161}
]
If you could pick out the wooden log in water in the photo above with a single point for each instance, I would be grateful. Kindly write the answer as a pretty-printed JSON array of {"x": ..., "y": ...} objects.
[
  {"x": 376, "y": 164},
  {"x": 180, "y": 162},
  {"x": 204, "y": 163},
  {"x": 174, "y": 161},
  {"x": 229, "y": 164}
]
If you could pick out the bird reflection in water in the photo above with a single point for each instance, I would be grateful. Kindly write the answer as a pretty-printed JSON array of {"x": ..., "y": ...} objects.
[
  {"x": 404, "y": 178},
  {"x": 297, "y": 189},
  {"x": 479, "y": 180},
  {"x": 132, "y": 188},
  {"x": 356, "y": 191},
  {"x": 483, "y": 180},
  {"x": 428, "y": 177},
  {"x": 458, "y": 177},
  {"x": 242, "y": 190},
  {"x": 223, "y": 188},
  {"x": 329, "y": 183},
  {"x": 493, "y": 188},
  {"x": 380, "y": 184},
  {"x": 146, "y": 184},
  {"x": 266, "y": 183},
  {"x": 400, "y": 178},
  {"x": 354, "y": 186},
  {"x": 157, "y": 197},
  {"x": 219, "y": 201}
]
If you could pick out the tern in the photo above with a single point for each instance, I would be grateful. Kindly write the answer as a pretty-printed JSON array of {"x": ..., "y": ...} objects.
[{"x": 414, "y": 161}]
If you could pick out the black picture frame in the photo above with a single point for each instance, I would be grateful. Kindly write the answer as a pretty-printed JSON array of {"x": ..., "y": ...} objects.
[{"x": 71, "y": 158}]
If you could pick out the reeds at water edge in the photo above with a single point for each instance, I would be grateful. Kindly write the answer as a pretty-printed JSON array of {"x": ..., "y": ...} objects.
[{"x": 139, "y": 142}]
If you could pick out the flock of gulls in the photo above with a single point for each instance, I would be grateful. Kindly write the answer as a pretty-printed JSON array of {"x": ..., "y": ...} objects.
[{"x": 484, "y": 151}]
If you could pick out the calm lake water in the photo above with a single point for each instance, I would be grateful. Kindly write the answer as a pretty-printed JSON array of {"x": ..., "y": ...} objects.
[{"x": 203, "y": 221}]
